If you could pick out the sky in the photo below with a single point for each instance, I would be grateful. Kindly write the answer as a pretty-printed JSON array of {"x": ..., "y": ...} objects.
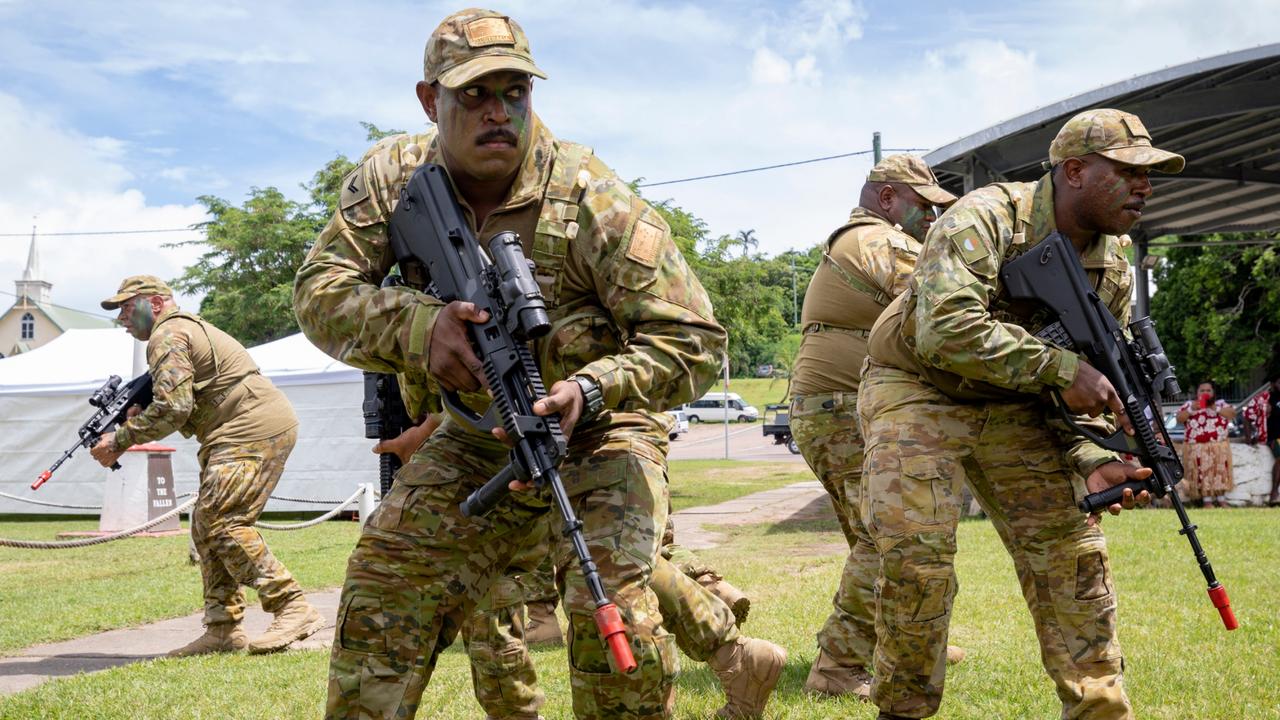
[{"x": 118, "y": 116}]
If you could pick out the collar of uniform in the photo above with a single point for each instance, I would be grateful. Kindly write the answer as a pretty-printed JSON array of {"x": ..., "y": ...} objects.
[
  {"x": 166, "y": 314},
  {"x": 531, "y": 179},
  {"x": 863, "y": 216},
  {"x": 1041, "y": 220}
]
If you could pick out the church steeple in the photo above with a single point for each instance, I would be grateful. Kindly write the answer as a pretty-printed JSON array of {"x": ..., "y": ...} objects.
[{"x": 31, "y": 287}]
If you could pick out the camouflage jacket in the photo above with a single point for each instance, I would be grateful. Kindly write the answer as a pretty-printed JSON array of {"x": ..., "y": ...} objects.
[
  {"x": 867, "y": 262},
  {"x": 625, "y": 308},
  {"x": 204, "y": 384},
  {"x": 958, "y": 329}
]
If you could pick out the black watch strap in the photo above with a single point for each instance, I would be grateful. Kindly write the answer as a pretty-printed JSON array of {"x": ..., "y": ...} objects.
[{"x": 594, "y": 399}]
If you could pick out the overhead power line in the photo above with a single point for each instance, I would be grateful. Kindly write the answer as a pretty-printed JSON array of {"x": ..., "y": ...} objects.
[
  {"x": 775, "y": 167},
  {"x": 643, "y": 185},
  {"x": 100, "y": 232}
]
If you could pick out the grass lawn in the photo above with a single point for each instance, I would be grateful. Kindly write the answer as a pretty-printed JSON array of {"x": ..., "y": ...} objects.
[
  {"x": 139, "y": 580},
  {"x": 49, "y": 595},
  {"x": 696, "y": 483},
  {"x": 1181, "y": 664}
]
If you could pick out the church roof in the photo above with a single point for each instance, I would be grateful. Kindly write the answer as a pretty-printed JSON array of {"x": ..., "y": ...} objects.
[{"x": 64, "y": 317}]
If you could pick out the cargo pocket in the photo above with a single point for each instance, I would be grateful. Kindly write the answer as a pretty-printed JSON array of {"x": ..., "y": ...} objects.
[
  {"x": 362, "y": 627},
  {"x": 602, "y": 692},
  {"x": 497, "y": 641},
  {"x": 1086, "y": 610},
  {"x": 927, "y": 495}
]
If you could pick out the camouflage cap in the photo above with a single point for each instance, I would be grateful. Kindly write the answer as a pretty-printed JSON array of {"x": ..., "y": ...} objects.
[
  {"x": 911, "y": 170},
  {"x": 1112, "y": 134},
  {"x": 475, "y": 42},
  {"x": 137, "y": 285}
]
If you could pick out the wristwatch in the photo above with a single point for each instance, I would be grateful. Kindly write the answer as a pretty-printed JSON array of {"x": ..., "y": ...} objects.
[{"x": 593, "y": 398}]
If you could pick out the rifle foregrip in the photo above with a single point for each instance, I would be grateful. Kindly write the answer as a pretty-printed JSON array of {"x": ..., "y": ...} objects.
[
  {"x": 1218, "y": 595},
  {"x": 388, "y": 465},
  {"x": 609, "y": 622},
  {"x": 487, "y": 496},
  {"x": 1099, "y": 501}
]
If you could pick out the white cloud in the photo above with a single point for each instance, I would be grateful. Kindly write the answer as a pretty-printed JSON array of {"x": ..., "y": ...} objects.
[
  {"x": 67, "y": 182},
  {"x": 769, "y": 68}
]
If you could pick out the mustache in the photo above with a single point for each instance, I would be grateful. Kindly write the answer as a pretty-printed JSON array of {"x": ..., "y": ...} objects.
[
  {"x": 499, "y": 135},
  {"x": 1135, "y": 205}
]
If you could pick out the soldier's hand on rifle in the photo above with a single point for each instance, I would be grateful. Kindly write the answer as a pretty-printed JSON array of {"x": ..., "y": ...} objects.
[
  {"x": 1092, "y": 393},
  {"x": 565, "y": 398},
  {"x": 1115, "y": 473},
  {"x": 407, "y": 443},
  {"x": 104, "y": 453},
  {"x": 133, "y": 410},
  {"x": 453, "y": 363}
]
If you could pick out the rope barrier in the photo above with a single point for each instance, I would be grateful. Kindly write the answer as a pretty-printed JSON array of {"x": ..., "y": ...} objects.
[
  {"x": 49, "y": 504},
  {"x": 304, "y": 500},
  {"x": 99, "y": 507},
  {"x": 86, "y": 542},
  {"x": 314, "y": 521}
]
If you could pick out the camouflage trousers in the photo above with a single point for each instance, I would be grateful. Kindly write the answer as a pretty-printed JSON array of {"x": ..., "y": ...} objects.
[
  {"x": 420, "y": 568},
  {"x": 921, "y": 446},
  {"x": 235, "y": 482},
  {"x": 502, "y": 672},
  {"x": 825, "y": 428}
]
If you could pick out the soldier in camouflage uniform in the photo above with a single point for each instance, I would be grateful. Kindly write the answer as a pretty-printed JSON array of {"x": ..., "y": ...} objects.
[
  {"x": 205, "y": 384},
  {"x": 866, "y": 263},
  {"x": 955, "y": 392},
  {"x": 632, "y": 333}
]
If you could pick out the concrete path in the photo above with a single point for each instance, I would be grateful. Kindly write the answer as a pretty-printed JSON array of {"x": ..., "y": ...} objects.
[{"x": 41, "y": 663}]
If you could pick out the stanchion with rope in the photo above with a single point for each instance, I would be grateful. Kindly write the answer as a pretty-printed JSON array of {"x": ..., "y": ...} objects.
[
  {"x": 86, "y": 542},
  {"x": 365, "y": 495}
]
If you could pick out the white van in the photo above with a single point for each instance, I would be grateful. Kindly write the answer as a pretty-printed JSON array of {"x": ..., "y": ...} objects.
[{"x": 717, "y": 406}]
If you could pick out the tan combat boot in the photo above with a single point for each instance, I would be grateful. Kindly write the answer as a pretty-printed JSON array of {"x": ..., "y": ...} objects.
[
  {"x": 955, "y": 655},
  {"x": 217, "y": 638},
  {"x": 295, "y": 621},
  {"x": 542, "y": 627},
  {"x": 828, "y": 677},
  {"x": 748, "y": 668},
  {"x": 737, "y": 601}
]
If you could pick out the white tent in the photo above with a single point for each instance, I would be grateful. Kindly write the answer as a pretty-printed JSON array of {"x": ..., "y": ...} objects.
[{"x": 44, "y": 400}]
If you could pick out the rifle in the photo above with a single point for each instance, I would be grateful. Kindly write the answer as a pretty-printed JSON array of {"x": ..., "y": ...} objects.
[
  {"x": 1138, "y": 369},
  {"x": 113, "y": 402},
  {"x": 385, "y": 417},
  {"x": 430, "y": 237}
]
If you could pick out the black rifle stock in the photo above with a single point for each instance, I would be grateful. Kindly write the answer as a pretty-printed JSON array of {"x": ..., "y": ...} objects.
[
  {"x": 113, "y": 401},
  {"x": 1138, "y": 369},
  {"x": 430, "y": 235},
  {"x": 385, "y": 418}
]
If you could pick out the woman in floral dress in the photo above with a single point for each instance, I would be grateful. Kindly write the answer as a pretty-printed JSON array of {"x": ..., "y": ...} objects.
[{"x": 1206, "y": 454}]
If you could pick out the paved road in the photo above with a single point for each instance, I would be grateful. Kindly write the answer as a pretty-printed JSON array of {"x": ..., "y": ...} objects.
[{"x": 705, "y": 441}]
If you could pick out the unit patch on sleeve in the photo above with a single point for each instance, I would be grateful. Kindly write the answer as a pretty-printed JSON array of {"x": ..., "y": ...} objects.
[{"x": 646, "y": 239}]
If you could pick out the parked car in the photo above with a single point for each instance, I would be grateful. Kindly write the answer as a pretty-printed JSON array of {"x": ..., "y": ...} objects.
[
  {"x": 719, "y": 406},
  {"x": 681, "y": 424},
  {"x": 777, "y": 424}
]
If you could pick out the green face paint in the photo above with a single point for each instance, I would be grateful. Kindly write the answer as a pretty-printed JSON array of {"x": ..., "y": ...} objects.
[{"x": 141, "y": 320}]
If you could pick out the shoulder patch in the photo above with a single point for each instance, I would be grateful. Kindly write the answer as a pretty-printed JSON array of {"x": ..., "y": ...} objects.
[
  {"x": 355, "y": 189},
  {"x": 646, "y": 239},
  {"x": 969, "y": 245}
]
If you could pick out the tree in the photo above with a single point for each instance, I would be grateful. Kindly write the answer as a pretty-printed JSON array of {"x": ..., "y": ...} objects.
[
  {"x": 748, "y": 240},
  {"x": 254, "y": 250},
  {"x": 1217, "y": 310}
]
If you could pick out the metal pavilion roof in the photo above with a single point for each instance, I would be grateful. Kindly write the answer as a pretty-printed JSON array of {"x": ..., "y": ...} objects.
[{"x": 1222, "y": 113}]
